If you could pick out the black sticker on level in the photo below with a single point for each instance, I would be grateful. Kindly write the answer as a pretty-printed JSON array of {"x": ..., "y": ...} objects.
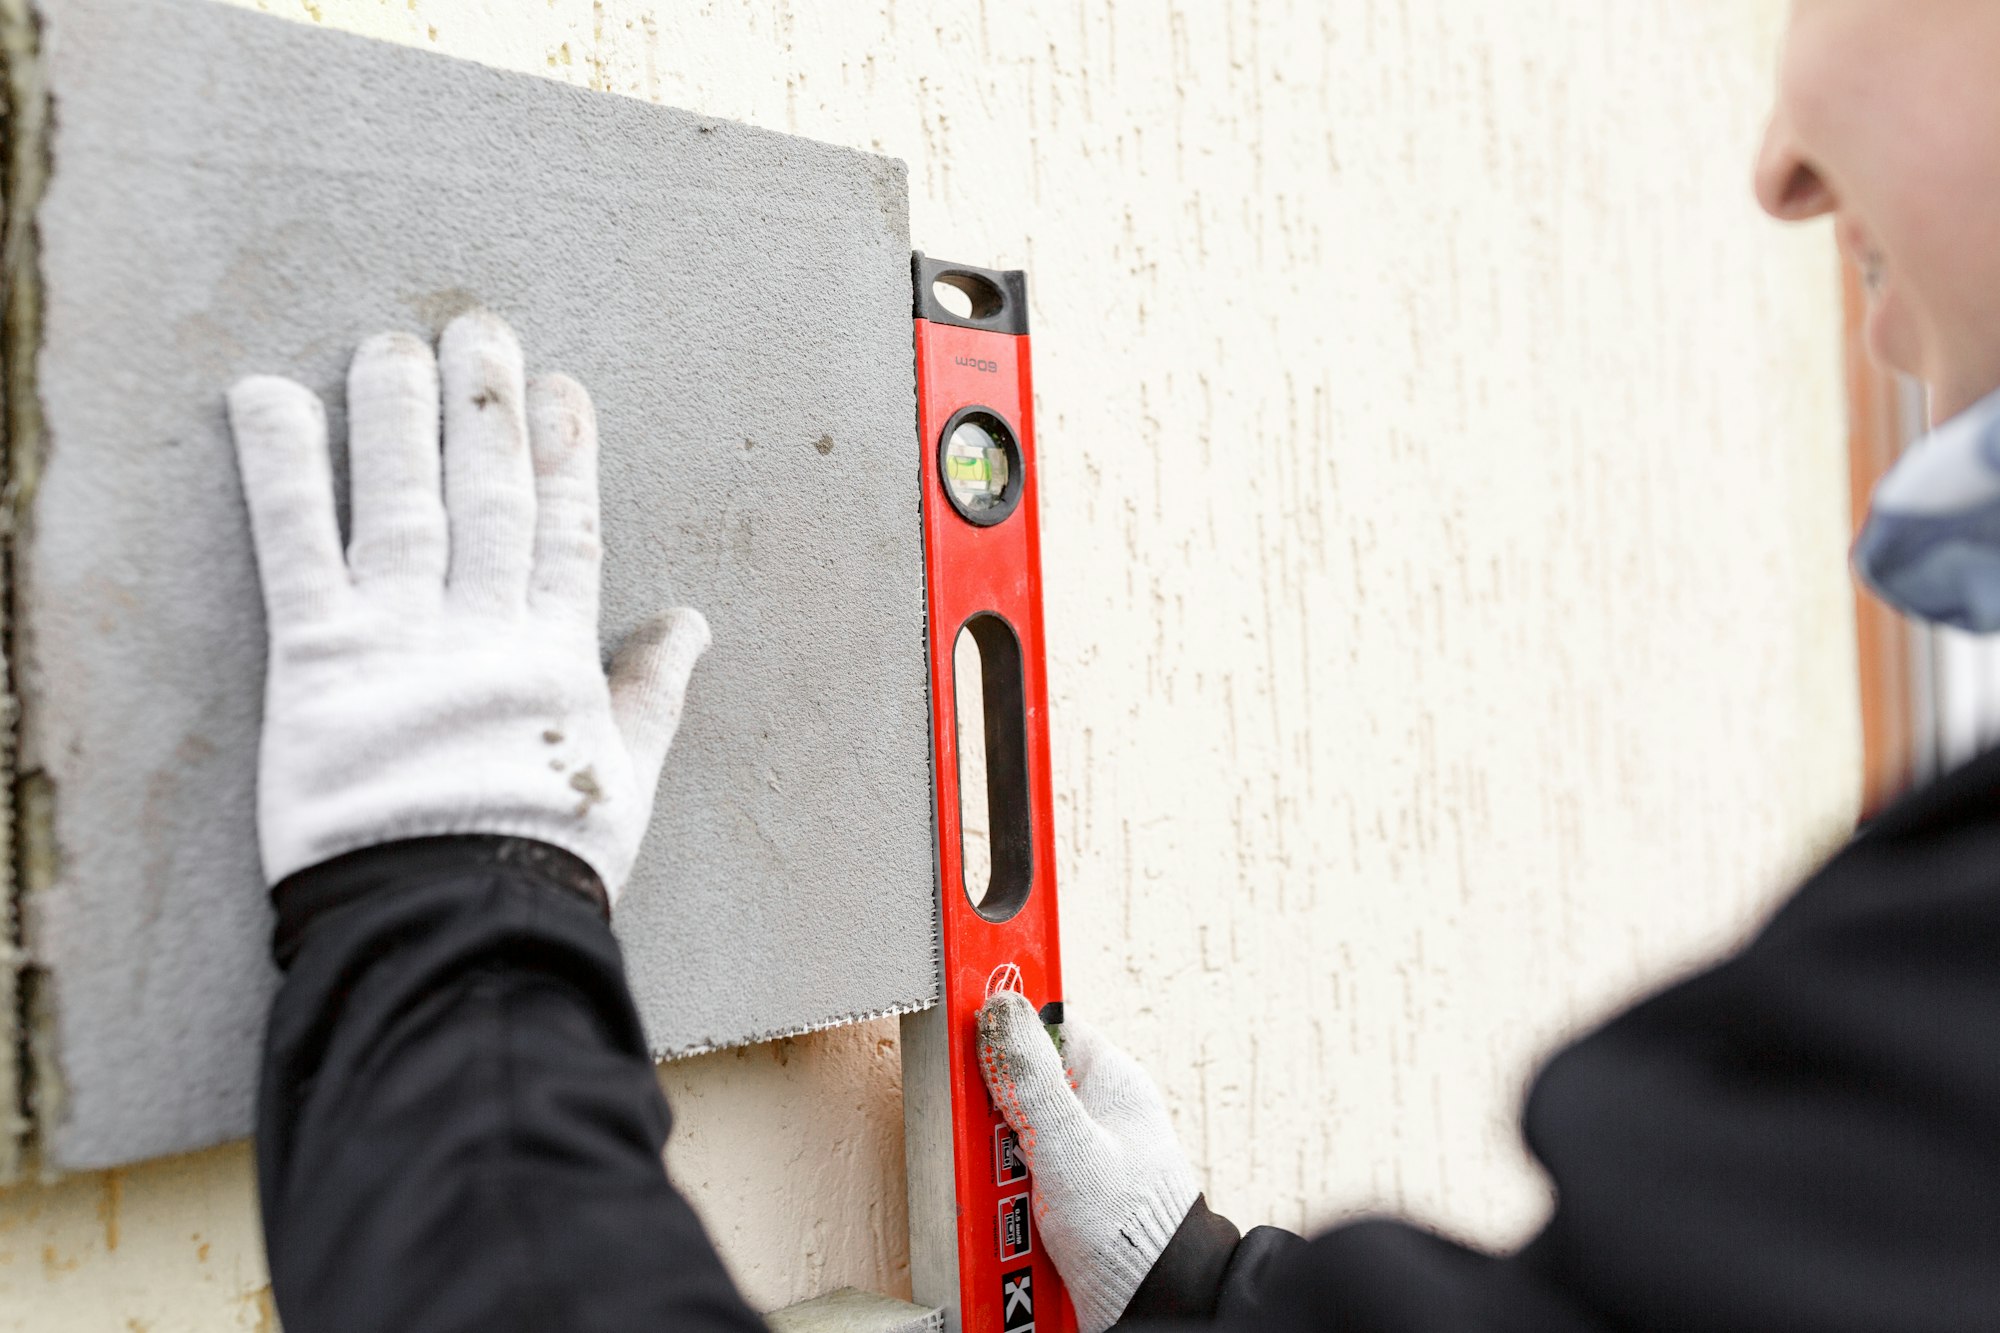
[
  {"x": 1008, "y": 1165},
  {"x": 1015, "y": 1240},
  {"x": 1017, "y": 1301}
]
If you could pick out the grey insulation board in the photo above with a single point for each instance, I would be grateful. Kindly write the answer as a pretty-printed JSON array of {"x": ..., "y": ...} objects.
[{"x": 231, "y": 193}]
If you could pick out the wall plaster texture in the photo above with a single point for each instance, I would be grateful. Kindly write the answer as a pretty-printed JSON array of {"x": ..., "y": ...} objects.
[
  {"x": 1463, "y": 645},
  {"x": 231, "y": 193}
]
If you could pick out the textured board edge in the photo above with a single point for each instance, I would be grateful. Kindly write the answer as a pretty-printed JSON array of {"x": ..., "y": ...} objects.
[
  {"x": 23, "y": 799},
  {"x": 842, "y": 1020},
  {"x": 852, "y": 1311}
]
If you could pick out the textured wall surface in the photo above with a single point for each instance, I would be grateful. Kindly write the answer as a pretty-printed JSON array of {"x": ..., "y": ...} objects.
[
  {"x": 737, "y": 302},
  {"x": 794, "y": 1150},
  {"x": 1443, "y": 521}
]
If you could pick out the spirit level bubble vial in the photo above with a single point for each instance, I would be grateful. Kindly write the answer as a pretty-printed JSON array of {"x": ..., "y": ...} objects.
[{"x": 973, "y": 1247}]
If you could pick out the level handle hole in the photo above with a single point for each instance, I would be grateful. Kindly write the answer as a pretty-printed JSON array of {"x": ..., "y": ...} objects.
[
  {"x": 995, "y": 854},
  {"x": 967, "y": 295}
]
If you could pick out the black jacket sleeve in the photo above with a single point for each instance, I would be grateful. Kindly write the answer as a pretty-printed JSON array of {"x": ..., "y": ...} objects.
[
  {"x": 459, "y": 1127},
  {"x": 1806, "y": 1137},
  {"x": 1208, "y": 1270}
]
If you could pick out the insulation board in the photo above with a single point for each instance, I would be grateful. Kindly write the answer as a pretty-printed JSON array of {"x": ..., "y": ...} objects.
[{"x": 230, "y": 193}]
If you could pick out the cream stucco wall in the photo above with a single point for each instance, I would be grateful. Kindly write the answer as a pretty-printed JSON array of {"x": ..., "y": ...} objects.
[{"x": 1443, "y": 530}]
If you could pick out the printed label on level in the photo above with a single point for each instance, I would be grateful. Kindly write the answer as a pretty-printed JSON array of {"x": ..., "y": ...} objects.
[
  {"x": 1006, "y": 977},
  {"x": 1017, "y": 1301},
  {"x": 1015, "y": 1239},
  {"x": 1008, "y": 1165}
]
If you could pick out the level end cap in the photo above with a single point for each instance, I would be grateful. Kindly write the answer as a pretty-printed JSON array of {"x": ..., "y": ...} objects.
[{"x": 998, "y": 297}]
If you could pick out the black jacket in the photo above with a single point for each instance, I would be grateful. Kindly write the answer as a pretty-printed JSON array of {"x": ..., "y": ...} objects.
[{"x": 460, "y": 1128}]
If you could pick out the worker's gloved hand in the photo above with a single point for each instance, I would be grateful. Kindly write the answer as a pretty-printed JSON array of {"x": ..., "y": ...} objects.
[
  {"x": 1110, "y": 1183},
  {"x": 442, "y": 676}
]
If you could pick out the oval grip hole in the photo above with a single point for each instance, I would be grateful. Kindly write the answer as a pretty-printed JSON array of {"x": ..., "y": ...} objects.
[
  {"x": 996, "y": 858},
  {"x": 967, "y": 296}
]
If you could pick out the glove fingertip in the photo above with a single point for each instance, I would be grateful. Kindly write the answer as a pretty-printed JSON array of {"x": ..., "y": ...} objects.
[
  {"x": 395, "y": 346},
  {"x": 1001, "y": 1010},
  {"x": 480, "y": 331},
  {"x": 649, "y": 681},
  {"x": 661, "y": 647},
  {"x": 257, "y": 402},
  {"x": 559, "y": 395},
  {"x": 687, "y": 633},
  {"x": 1015, "y": 1048}
]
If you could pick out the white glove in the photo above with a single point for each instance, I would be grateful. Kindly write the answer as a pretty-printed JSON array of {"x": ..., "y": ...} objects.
[
  {"x": 1111, "y": 1186},
  {"x": 443, "y": 676}
]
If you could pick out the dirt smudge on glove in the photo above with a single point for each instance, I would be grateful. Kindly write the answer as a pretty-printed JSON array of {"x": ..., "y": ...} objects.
[{"x": 585, "y": 781}]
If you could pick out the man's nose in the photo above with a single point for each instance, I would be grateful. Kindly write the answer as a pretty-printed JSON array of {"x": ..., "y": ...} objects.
[{"x": 1788, "y": 186}]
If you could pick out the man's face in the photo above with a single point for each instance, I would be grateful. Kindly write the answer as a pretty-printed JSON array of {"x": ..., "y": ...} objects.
[{"x": 1888, "y": 118}]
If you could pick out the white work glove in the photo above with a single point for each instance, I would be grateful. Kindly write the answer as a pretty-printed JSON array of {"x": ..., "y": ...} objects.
[
  {"x": 1110, "y": 1183},
  {"x": 442, "y": 676}
]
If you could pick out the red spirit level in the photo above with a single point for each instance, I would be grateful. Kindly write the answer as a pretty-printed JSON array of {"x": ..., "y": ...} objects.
[{"x": 974, "y": 1244}]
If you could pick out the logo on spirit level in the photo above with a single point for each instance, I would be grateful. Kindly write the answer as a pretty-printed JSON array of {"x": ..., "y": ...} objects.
[
  {"x": 1015, "y": 1238},
  {"x": 1008, "y": 1164},
  {"x": 1006, "y": 977},
  {"x": 1017, "y": 1301}
]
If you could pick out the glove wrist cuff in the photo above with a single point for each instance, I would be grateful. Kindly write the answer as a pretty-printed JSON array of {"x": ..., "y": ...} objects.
[
  {"x": 1141, "y": 1238},
  {"x": 319, "y": 891}
]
